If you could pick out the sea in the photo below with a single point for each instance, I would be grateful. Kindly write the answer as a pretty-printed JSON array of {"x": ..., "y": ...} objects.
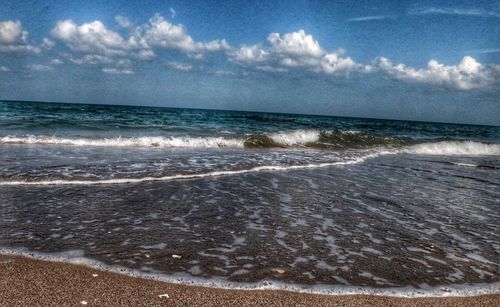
[{"x": 251, "y": 200}]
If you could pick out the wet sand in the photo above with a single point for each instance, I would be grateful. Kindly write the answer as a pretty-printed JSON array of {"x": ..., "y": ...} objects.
[{"x": 28, "y": 282}]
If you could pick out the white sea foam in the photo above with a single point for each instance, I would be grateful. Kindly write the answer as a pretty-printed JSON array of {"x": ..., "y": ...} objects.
[
  {"x": 465, "y": 148},
  {"x": 286, "y": 138},
  {"x": 145, "y": 141},
  {"x": 449, "y": 290},
  {"x": 464, "y": 164},
  {"x": 262, "y": 168},
  {"x": 295, "y": 137}
]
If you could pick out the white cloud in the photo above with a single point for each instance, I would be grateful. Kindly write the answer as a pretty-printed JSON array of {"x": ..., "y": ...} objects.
[
  {"x": 146, "y": 54},
  {"x": 19, "y": 48},
  {"x": 478, "y": 12},
  {"x": 296, "y": 50},
  {"x": 92, "y": 37},
  {"x": 40, "y": 67},
  {"x": 13, "y": 38},
  {"x": 160, "y": 33},
  {"x": 332, "y": 63},
  {"x": 48, "y": 43},
  {"x": 98, "y": 44},
  {"x": 124, "y": 62},
  {"x": 490, "y": 50},
  {"x": 172, "y": 13},
  {"x": 466, "y": 75},
  {"x": 118, "y": 71},
  {"x": 249, "y": 54},
  {"x": 370, "y": 18},
  {"x": 180, "y": 66},
  {"x": 224, "y": 73},
  {"x": 12, "y": 32},
  {"x": 300, "y": 51},
  {"x": 270, "y": 68},
  {"x": 196, "y": 56},
  {"x": 56, "y": 62},
  {"x": 90, "y": 59},
  {"x": 123, "y": 22},
  {"x": 297, "y": 44},
  {"x": 94, "y": 43}
]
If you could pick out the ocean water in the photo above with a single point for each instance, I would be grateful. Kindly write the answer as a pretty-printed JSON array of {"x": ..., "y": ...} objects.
[{"x": 247, "y": 199}]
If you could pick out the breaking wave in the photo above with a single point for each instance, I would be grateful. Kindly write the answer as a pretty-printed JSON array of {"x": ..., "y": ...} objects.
[
  {"x": 333, "y": 139},
  {"x": 296, "y": 138},
  {"x": 145, "y": 141},
  {"x": 464, "y": 148}
]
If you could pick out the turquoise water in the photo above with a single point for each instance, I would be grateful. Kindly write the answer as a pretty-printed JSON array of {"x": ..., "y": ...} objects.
[
  {"x": 72, "y": 121},
  {"x": 337, "y": 203}
]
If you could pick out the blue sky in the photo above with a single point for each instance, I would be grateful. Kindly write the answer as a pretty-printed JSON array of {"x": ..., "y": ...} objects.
[{"x": 417, "y": 60}]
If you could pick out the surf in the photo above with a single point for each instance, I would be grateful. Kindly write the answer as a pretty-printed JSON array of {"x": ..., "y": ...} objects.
[
  {"x": 333, "y": 139},
  {"x": 454, "y": 148},
  {"x": 264, "y": 168}
]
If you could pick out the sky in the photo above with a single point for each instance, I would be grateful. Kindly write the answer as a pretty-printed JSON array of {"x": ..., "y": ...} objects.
[{"x": 410, "y": 60}]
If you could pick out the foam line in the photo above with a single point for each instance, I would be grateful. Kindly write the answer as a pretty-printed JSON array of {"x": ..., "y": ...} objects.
[
  {"x": 283, "y": 139},
  {"x": 289, "y": 138},
  {"x": 448, "y": 290},
  {"x": 191, "y": 176},
  {"x": 464, "y": 148},
  {"x": 464, "y": 164},
  {"x": 144, "y": 141}
]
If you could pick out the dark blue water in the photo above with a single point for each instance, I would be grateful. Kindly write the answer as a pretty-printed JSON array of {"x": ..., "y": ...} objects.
[
  {"x": 293, "y": 200},
  {"x": 100, "y": 121}
]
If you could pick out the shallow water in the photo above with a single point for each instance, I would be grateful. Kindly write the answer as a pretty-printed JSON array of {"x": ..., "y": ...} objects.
[{"x": 421, "y": 209}]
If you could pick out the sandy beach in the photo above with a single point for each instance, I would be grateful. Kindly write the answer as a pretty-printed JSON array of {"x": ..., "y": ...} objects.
[{"x": 29, "y": 282}]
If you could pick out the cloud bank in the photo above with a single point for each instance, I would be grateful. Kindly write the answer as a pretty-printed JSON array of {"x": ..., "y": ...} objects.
[
  {"x": 159, "y": 32},
  {"x": 466, "y": 75},
  {"x": 117, "y": 52},
  {"x": 94, "y": 43},
  {"x": 293, "y": 51}
]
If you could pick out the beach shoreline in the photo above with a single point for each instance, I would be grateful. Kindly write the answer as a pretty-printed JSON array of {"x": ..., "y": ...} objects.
[{"x": 27, "y": 282}]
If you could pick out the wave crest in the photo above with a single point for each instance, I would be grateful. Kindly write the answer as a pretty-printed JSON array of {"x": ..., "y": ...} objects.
[
  {"x": 464, "y": 148},
  {"x": 333, "y": 139},
  {"x": 145, "y": 141},
  {"x": 294, "y": 138}
]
